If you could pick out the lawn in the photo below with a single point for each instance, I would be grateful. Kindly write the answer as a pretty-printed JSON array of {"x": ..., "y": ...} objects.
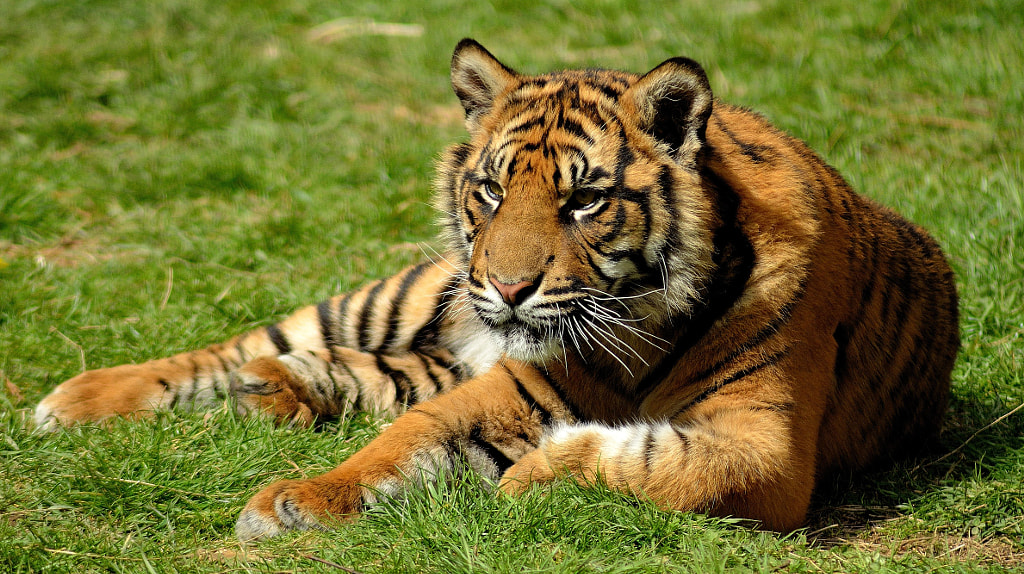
[{"x": 177, "y": 171}]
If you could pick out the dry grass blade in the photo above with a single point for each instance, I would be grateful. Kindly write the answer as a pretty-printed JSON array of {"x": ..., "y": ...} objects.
[
  {"x": 81, "y": 351},
  {"x": 970, "y": 438},
  {"x": 331, "y": 564},
  {"x": 342, "y": 28}
]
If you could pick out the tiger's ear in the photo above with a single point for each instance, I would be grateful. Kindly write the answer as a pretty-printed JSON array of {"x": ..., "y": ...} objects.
[
  {"x": 478, "y": 78},
  {"x": 673, "y": 103}
]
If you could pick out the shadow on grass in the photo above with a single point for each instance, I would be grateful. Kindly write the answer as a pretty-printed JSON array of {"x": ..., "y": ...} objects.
[{"x": 937, "y": 504}]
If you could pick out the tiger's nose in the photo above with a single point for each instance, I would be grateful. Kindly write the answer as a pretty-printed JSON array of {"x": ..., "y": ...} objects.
[{"x": 515, "y": 293}]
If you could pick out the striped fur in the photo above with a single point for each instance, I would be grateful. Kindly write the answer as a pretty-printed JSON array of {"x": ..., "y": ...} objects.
[{"x": 643, "y": 286}]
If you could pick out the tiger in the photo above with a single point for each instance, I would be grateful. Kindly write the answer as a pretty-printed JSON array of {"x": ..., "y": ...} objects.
[{"x": 642, "y": 287}]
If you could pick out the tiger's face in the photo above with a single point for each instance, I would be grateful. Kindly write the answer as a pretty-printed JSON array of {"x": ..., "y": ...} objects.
[{"x": 576, "y": 209}]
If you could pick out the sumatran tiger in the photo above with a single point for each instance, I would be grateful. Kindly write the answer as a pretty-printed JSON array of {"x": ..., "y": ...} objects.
[{"x": 643, "y": 286}]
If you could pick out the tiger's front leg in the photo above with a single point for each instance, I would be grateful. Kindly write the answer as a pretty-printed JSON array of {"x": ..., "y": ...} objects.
[
  {"x": 488, "y": 423},
  {"x": 746, "y": 446},
  {"x": 725, "y": 461}
]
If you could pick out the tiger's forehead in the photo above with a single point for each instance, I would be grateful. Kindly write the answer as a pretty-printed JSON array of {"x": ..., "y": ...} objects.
[
  {"x": 570, "y": 88},
  {"x": 553, "y": 129}
]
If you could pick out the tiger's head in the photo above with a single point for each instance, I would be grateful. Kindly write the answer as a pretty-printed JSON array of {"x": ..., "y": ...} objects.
[{"x": 577, "y": 210}]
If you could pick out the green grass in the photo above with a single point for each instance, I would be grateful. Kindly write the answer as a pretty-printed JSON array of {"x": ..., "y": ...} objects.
[{"x": 175, "y": 172}]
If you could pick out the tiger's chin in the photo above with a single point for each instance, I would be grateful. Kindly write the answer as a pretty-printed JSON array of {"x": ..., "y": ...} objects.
[{"x": 522, "y": 344}]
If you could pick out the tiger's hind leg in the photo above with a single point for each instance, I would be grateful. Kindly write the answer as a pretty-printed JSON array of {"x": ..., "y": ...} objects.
[
  {"x": 299, "y": 387},
  {"x": 198, "y": 379},
  {"x": 389, "y": 319},
  {"x": 292, "y": 388}
]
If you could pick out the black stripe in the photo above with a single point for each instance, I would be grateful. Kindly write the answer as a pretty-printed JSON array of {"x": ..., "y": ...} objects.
[
  {"x": 167, "y": 389},
  {"x": 477, "y": 439},
  {"x": 472, "y": 280},
  {"x": 430, "y": 373},
  {"x": 327, "y": 329},
  {"x": 364, "y": 316},
  {"x": 531, "y": 402},
  {"x": 193, "y": 383},
  {"x": 901, "y": 414},
  {"x": 468, "y": 212},
  {"x": 560, "y": 392},
  {"x": 757, "y": 153},
  {"x": 526, "y": 125},
  {"x": 906, "y": 289},
  {"x": 427, "y": 336},
  {"x": 396, "y": 305},
  {"x": 292, "y": 514},
  {"x": 870, "y": 270},
  {"x": 609, "y": 91},
  {"x": 459, "y": 153},
  {"x": 649, "y": 443},
  {"x": 682, "y": 437},
  {"x": 278, "y": 339},
  {"x": 593, "y": 266},
  {"x": 342, "y": 315},
  {"x": 223, "y": 362},
  {"x": 221, "y": 383},
  {"x": 405, "y": 394},
  {"x": 737, "y": 376},
  {"x": 590, "y": 176},
  {"x": 333, "y": 397},
  {"x": 485, "y": 207},
  {"x": 666, "y": 191},
  {"x": 241, "y": 352},
  {"x": 767, "y": 332},
  {"x": 735, "y": 258},
  {"x": 318, "y": 382},
  {"x": 358, "y": 399},
  {"x": 624, "y": 158},
  {"x": 783, "y": 407},
  {"x": 455, "y": 369},
  {"x": 573, "y": 127}
]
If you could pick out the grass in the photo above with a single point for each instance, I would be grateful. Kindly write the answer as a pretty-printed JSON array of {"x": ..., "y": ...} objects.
[{"x": 175, "y": 172}]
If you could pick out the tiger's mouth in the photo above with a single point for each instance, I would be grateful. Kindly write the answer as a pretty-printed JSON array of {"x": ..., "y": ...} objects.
[
  {"x": 526, "y": 343},
  {"x": 523, "y": 336},
  {"x": 541, "y": 331}
]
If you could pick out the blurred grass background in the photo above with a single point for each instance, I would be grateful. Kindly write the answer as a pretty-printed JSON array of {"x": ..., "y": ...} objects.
[{"x": 177, "y": 171}]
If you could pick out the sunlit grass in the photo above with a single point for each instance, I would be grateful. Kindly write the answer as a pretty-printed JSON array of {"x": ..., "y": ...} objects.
[{"x": 175, "y": 172}]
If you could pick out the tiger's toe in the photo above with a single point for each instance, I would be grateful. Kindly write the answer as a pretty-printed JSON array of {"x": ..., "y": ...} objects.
[
  {"x": 94, "y": 396},
  {"x": 265, "y": 385},
  {"x": 280, "y": 507},
  {"x": 531, "y": 469}
]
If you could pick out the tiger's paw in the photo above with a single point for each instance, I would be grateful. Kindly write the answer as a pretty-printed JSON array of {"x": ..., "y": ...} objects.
[
  {"x": 94, "y": 396},
  {"x": 532, "y": 468},
  {"x": 266, "y": 385},
  {"x": 295, "y": 505}
]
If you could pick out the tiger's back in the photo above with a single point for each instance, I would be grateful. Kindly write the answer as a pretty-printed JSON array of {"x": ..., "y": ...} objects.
[{"x": 882, "y": 280}]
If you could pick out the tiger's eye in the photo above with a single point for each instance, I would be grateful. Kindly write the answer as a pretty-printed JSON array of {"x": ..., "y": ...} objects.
[
  {"x": 494, "y": 190},
  {"x": 584, "y": 197}
]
